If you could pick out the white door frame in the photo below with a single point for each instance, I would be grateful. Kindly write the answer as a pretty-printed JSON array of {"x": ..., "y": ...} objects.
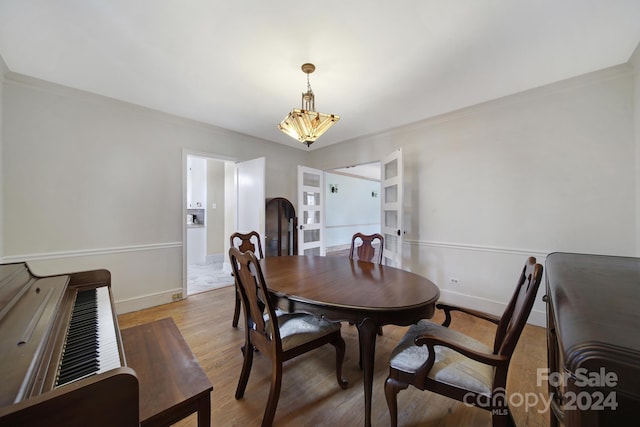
[{"x": 183, "y": 206}]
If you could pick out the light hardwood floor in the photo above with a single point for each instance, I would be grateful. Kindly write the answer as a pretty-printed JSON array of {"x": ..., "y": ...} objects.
[{"x": 310, "y": 393}]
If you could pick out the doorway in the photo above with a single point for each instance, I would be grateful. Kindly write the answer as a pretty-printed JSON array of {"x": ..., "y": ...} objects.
[
  {"x": 206, "y": 204},
  {"x": 352, "y": 204}
]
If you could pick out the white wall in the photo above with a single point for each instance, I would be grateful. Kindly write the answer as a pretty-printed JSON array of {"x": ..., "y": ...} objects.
[
  {"x": 551, "y": 169},
  {"x": 3, "y": 71},
  {"x": 91, "y": 182},
  {"x": 635, "y": 62},
  {"x": 215, "y": 217},
  {"x": 352, "y": 209}
]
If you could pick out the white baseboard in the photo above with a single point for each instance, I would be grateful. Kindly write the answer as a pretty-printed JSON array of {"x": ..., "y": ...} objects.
[
  {"x": 537, "y": 317},
  {"x": 214, "y": 258},
  {"x": 338, "y": 248},
  {"x": 147, "y": 301}
]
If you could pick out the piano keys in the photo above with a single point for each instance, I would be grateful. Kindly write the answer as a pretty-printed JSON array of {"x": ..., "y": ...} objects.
[
  {"x": 62, "y": 359},
  {"x": 90, "y": 347}
]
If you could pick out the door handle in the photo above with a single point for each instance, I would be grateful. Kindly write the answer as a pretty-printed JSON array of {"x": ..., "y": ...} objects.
[{"x": 399, "y": 233}]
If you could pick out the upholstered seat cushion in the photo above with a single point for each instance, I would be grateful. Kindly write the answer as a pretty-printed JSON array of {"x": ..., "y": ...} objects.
[
  {"x": 298, "y": 328},
  {"x": 450, "y": 367}
]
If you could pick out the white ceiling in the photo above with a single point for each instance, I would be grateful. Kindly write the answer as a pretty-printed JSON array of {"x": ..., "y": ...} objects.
[{"x": 379, "y": 64}]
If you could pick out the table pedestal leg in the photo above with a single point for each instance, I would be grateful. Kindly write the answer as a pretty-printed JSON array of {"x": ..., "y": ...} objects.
[{"x": 367, "y": 330}]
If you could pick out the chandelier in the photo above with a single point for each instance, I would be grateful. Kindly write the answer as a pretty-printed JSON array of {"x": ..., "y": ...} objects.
[{"x": 305, "y": 124}]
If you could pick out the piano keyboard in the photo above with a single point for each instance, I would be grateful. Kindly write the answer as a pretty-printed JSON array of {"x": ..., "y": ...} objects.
[{"x": 91, "y": 345}]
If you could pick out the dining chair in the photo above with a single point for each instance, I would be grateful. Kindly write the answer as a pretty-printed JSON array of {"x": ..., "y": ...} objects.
[
  {"x": 436, "y": 358},
  {"x": 244, "y": 242},
  {"x": 279, "y": 337},
  {"x": 367, "y": 247}
]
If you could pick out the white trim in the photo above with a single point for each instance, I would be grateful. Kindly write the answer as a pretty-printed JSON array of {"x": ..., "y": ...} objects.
[
  {"x": 3, "y": 71},
  {"x": 567, "y": 84},
  {"x": 22, "y": 80},
  {"x": 90, "y": 252},
  {"x": 338, "y": 247},
  {"x": 467, "y": 247},
  {"x": 366, "y": 178},
  {"x": 145, "y": 301},
  {"x": 350, "y": 225},
  {"x": 186, "y": 152},
  {"x": 537, "y": 317}
]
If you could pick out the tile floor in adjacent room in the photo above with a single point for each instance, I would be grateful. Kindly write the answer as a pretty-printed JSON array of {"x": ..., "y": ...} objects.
[{"x": 205, "y": 277}]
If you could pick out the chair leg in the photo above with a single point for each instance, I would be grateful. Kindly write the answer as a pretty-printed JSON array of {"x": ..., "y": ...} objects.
[
  {"x": 391, "y": 390},
  {"x": 236, "y": 314},
  {"x": 340, "y": 346},
  {"x": 246, "y": 370},
  {"x": 360, "y": 354},
  {"x": 274, "y": 394}
]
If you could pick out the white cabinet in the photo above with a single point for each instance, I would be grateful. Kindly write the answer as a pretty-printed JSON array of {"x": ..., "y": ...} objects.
[
  {"x": 196, "y": 245},
  {"x": 196, "y": 182},
  {"x": 196, "y": 202}
]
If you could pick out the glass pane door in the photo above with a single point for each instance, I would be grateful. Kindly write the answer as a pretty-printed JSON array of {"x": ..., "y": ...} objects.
[
  {"x": 391, "y": 174},
  {"x": 310, "y": 211}
]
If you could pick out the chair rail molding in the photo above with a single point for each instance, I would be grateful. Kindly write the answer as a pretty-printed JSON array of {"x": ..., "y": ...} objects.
[
  {"x": 467, "y": 298},
  {"x": 89, "y": 252},
  {"x": 479, "y": 248}
]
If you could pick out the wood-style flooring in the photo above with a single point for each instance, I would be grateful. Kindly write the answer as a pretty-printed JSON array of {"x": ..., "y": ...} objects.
[{"x": 310, "y": 394}]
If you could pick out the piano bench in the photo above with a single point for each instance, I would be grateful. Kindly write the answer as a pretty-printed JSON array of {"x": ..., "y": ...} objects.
[{"x": 172, "y": 383}]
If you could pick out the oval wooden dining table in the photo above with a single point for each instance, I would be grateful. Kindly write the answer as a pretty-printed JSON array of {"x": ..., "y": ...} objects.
[{"x": 365, "y": 294}]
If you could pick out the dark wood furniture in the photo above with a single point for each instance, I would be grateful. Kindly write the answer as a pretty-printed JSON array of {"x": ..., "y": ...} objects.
[
  {"x": 593, "y": 332},
  {"x": 280, "y": 337},
  {"x": 366, "y": 294},
  {"x": 444, "y": 361},
  {"x": 42, "y": 383},
  {"x": 48, "y": 379},
  {"x": 244, "y": 242},
  {"x": 247, "y": 242},
  {"x": 172, "y": 383},
  {"x": 367, "y": 247},
  {"x": 106, "y": 400},
  {"x": 281, "y": 225}
]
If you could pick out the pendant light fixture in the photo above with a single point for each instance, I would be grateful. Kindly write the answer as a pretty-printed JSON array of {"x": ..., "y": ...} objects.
[{"x": 305, "y": 124}]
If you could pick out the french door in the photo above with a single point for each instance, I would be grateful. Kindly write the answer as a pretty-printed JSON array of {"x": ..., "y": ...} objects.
[
  {"x": 392, "y": 215},
  {"x": 310, "y": 211}
]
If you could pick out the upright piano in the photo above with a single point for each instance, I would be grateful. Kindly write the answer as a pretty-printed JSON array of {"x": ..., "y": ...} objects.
[{"x": 62, "y": 361}]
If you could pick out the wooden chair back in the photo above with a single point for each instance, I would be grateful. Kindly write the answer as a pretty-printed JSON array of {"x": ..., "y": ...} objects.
[
  {"x": 302, "y": 332},
  {"x": 247, "y": 242},
  {"x": 244, "y": 242},
  {"x": 487, "y": 366},
  {"x": 259, "y": 310},
  {"x": 367, "y": 247},
  {"x": 517, "y": 311}
]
